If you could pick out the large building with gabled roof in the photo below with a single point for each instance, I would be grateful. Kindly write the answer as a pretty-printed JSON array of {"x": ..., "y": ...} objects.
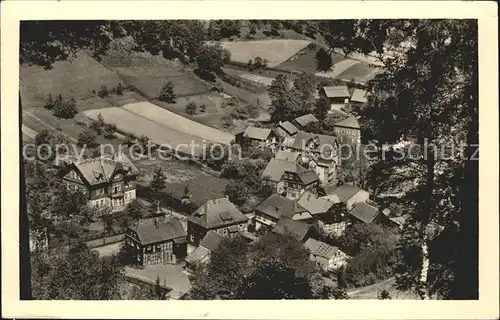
[
  {"x": 155, "y": 241},
  {"x": 218, "y": 215},
  {"x": 108, "y": 181}
]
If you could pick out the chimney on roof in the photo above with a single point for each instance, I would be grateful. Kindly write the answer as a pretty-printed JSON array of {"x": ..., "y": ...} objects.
[
  {"x": 156, "y": 222},
  {"x": 277, "y": 208}
]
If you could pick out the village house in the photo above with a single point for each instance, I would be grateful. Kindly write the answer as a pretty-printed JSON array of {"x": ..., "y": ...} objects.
[
  {"x": 259, "y": 137},
  {"x": 367, "y": 213},
  {"x": 331, "y": 220},
  {"x": 326, "y": 256},
  {"x": 346, "y": 194},
  {"x": 302, "y": 121},
  {"x": 219, "y": 215},
  {"x": 208, "y": 244},
  {"x": 109, "y": 182},
  {"x": 348, "y": 129},
  {"x": 289, "y": 178},
  {"x": 359, "y": 98},
  {"x": 286, "y": 129},
  {"x": 269, "y": 211},
  {"x": 156, "y": 240},
  {"x": 337, "y": 95},
  {"x": 320, "y": 152},
  {"x": 300, "y": 230}
]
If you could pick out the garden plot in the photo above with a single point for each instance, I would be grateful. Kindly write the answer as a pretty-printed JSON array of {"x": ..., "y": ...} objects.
[
  {"x": 362, "y": 72},
  {"x": 130, "y": 122},
  {"x": 178, "y": 123},
  {"x": 76, "y": 78},
  {"x": 274, "y": 51}
]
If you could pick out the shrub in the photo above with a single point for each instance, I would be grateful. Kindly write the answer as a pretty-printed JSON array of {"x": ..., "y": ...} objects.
[
  {"x": 103, "y": 92},
  {"x": 245, "y": 111},
  {"x": 312, "y": 46},
  {"x": 191, "y": 108},
  {"x": 167, "y": 93},
  {"x": 96, "y": 127},
  {"x": 65, "y": 109},
  {"x": 87, "y": 138},
  {"x": 109, "y": 130},
  {"x": 203, "y": 108}
]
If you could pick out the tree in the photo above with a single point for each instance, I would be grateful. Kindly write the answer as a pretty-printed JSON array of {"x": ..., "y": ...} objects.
[
  {"x": 109, "y": 131},
  {"x": 245, "y": 111},
  {"x": 167, "y": 93},
  {"x": 321, "y": 108},
  {"x": 103, "y": 91},
  {"x": 157, "y": 184},
  {"x": 211, "y": 58},
  {"x": 66, "y": 203},
  {"x": 430, "y": 68},
  {"x": 384, "y": 295},
  {"x": 65, "y": 108},
  {"x": 42, "y": 43},
  {"x": 87, "y": 139},
  {"x": 191, "y": 108},
  {"x": 75, "y": 274},
  {"x": 136, "y": 209}
]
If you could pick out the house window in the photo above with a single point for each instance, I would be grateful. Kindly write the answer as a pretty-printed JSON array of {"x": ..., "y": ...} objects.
[
  {"x": 224, "y": 231},
  {"x": 191, "y": 237},
  {"x": 68, "y": 186},
  {"x": 117, "y": 187}
]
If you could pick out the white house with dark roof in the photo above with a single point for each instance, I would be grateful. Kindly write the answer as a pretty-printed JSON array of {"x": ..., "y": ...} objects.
[
  {"x": 349, "y": 129},
  {"x": 109, "y": 181},
  {"x": 218, "y": 215}
]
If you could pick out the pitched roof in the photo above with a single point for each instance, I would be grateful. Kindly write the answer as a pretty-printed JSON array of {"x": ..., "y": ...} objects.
[
  {"x": 256, "y": 133},
  {"x": 156, "y": 230},
  {"x": 336, "y": 92},
  {"x": 364, "y": 212},
  {"x": 325, "y": 143},
  {"x": 276, "y": 168},
  {"x": 350, "y": 122},
  {"x": 288, "y": 127},
  {"x": 277, "y": 206},
  {"x": 306, "y": 119},
  {"x": 217, "y": 212},
  {"x": 321, "y": 249},
  {"x": 287, "y": 155},
  {"x": 211, "y": 240},
  {"x": 297, "y": 228},
  {"x": 314, "y": 204},
  {"x": 359, "y": 96},
  {"x": 343, "y": 192},
  {"x": 100, "y": 169},
  {"x": 198, "y": 254}
]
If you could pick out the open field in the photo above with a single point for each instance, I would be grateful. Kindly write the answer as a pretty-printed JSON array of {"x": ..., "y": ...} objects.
[
  {"x": 147, "y": 74},
  {"x": 274, "y": 51},
  {"x": 76, "y": 78},
  {"x": 130, "y": 122},
  {"x": 305, "y": 61},
  {"x": 176, "y": 122},
  {"x": 202, "y": 185}
]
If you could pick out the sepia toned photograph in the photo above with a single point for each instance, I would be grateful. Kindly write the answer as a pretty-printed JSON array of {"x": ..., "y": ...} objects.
[{"x": 245, "y": 159}]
